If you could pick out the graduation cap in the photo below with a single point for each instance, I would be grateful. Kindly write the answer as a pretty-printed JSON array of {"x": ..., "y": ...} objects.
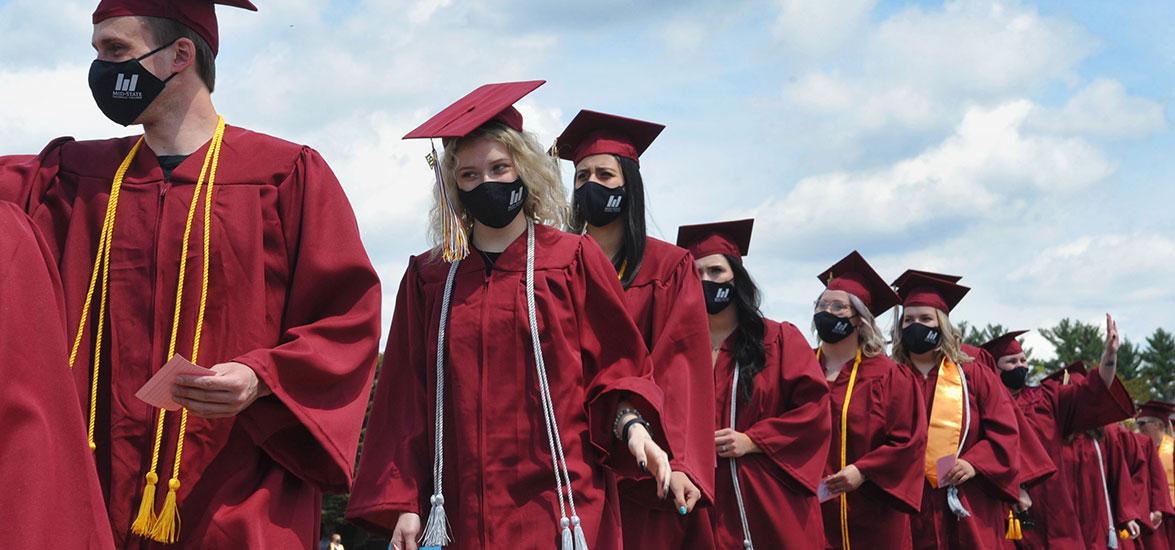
[
  {"x": 854, "y": 275},
  {"x": 1157, "y": 409},
  {"x": 901, "y": 280},
  {"x": 594, "y": 133},
  {"x": 491, "y": 102},
  {"x": 1076, "y": 367},
  {"x": 1005, "y": 345},
  {"x": 731, "y": 238},
  {"x": 919, "y": 288},
  {"x": 198, "y": 15}
]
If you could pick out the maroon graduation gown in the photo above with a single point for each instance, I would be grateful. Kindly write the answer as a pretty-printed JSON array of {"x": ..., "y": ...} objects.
[
  {"x": 1056, "y": 411},
  {"x": 1158, "y": 495},
  {"x": 51, "y": 496},
  {"x": 1088, "y": 495},
  {"x": 498, "y": 484},
  {"x": 992, "y": 446},
  {"x": 887, "y": 442},
  {"x": 291, "y": 294},
  {"x": 666, "y": 301},
  {"x": 787, "y": 417}
]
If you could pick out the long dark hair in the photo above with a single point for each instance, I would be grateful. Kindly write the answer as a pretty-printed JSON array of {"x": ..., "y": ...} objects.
[
  {"x": 632, "y": 247},
  {"x": 749, "y": 352}
]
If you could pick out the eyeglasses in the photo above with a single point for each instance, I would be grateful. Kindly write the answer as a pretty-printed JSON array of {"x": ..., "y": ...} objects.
[{"x": 833, "y": 307}]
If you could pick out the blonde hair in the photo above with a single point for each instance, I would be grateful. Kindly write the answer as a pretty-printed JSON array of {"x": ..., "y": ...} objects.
[
  {"x": 546, "y": 202},
  {"x": 868, "y": 333},
  {"x": 951, "y": 343}
]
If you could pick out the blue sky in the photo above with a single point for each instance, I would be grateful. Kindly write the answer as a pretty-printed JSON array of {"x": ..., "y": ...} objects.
[{"x": 1024, "y": 145}]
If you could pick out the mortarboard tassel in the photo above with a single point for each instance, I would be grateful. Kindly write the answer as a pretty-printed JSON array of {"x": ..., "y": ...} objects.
[{"x": 455, "y": 245}]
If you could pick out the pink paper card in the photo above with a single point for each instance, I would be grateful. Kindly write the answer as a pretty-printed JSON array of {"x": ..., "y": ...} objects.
[
  {"x": 944, "y": 465},
  {"x": 823, "y": 493},
  {"x": 157, "y": 391}
]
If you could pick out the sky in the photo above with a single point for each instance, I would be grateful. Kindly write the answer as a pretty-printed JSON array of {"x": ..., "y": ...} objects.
[{"x": 1024, "y": 145}]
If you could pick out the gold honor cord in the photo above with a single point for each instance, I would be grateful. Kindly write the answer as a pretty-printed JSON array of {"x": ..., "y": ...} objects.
[
  {"x": 623, "y": 268},
  {"x": 844, "y": 431},
  {"x": 164, "y": 527}
]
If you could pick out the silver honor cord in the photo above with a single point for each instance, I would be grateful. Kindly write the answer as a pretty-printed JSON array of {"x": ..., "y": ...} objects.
[
  {"x": 953, "y": 501},
  {"x": 738, "y": 492},
  {"x": 1113, "y": 540},
  {"x": 436, "y": 529}
]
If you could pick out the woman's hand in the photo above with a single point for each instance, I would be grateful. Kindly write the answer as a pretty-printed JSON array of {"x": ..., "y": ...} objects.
[
  {"x": 731, "y": 444},
  {"x": 845, "y": 481},
  {"x": 407, "y": 532},
  {"x": 685, "y": 493},
  {"x": 650, "y": 457},
  {"x": 959, "y": 474}
]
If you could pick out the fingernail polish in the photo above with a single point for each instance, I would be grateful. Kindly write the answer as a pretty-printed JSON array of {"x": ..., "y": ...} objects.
[
  {"x": 682, "y": 510},
  {"x": 644, "y": 468}
]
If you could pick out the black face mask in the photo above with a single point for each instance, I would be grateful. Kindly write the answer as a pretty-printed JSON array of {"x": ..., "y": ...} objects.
[
  {"x": 495, "y": 203},
  {"x": 831, "y": 328},
  {"x": 1016, "y": 378},
  {"x": 598, "y": 204},
  {"x": 123, "y": 90},
  {"x": 718, "y": 296},
  {"x": 919, "y": 338}
]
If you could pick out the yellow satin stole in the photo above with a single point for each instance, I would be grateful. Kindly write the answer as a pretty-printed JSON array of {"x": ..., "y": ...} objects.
[
  {"x": 1167, "y": 455},
  {"x": 946, "y": 418}
]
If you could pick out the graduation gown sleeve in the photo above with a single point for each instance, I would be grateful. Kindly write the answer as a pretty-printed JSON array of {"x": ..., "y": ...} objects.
[
  {"x": 51, "y": 497},
  {"x": 996, "y": 454},
  {"x": 321, "y": 371},
  {"x": 796, "y": 440},
  {"x": 891, "y": 466},
  {"x": 398, "y": 449}
]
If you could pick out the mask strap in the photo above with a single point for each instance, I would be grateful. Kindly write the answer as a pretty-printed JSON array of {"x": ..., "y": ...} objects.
[{"x": 156, "y": 50}]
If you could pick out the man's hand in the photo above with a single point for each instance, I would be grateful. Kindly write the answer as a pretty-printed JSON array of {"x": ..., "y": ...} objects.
[
  {"x": 844, "y": 481},
  {"x": 1156, "y": 519},
  {"x": 1134, "y": 530},
  {"x": 225, "y": 394},
  {"x": 731, "y": 444}
]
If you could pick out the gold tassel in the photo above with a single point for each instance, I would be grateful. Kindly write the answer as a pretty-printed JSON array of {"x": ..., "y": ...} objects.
[
  {"x": 1013, "y": 532},
  {"x": 456, "y": 244},
  {"x": 167, "y": 526},
  {"x": 145, "y": 521}
]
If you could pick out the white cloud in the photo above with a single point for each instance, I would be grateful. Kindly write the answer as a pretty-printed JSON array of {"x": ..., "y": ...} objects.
[
  {"x": 990, "y": 160},
  {"x": 817, "y": 27},
  {"x": 1108, "y": 269},
  {"x": 1104, "y": 109}
]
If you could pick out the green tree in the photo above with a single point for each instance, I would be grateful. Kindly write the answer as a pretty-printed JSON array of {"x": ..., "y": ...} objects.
[
  {"x": 1159, "y": 364},
  {"x": 1073, "y": 341}
]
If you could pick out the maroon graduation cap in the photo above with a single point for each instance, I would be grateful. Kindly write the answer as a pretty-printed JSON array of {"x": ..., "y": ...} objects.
[
  {"x": 854, "y": 275},
  {"x": 1076, "y": 367},
  {"x": 1005, "y": 345},
  {"x": 917, "y": 288},
  {"x": 198, "y": 15},
  {"x": 594, "y": 133},
  {"x": 491, "y": 102},
  {"x": 732, "y": 238},
  {"x": 1156, "y": 409}
]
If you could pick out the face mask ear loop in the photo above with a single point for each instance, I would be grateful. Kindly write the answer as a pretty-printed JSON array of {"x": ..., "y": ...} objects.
[{"x": 156, "y": 50}]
